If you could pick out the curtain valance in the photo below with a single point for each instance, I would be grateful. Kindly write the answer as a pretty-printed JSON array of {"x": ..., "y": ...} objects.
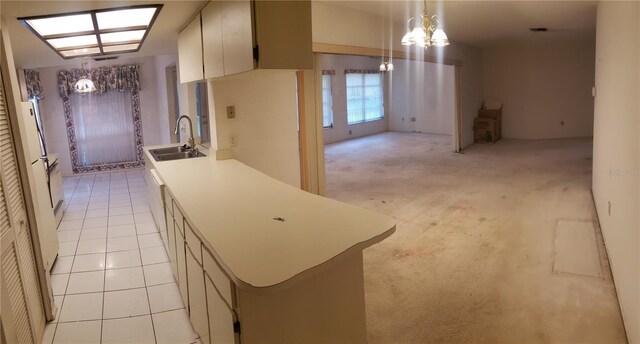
[
  {"x": 104, "y": 79},
  {"x": 34, "y": 87},
  {"x": 361, "y": 71}
]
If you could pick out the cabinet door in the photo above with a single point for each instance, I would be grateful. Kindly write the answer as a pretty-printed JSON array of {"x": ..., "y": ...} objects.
[
  {"x": 197, "y": 297},
  {"x": 181, "y": 267},
  {"x": 212, "y": 40},
  {"x": 170, "y": 245},
  {"x": 190, "y": 52},
  {"x": 220, "y": 316},
  {"x": 237, "y": 36}
]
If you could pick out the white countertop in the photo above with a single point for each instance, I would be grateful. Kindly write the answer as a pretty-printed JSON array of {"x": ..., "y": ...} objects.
[{"x": 233, "y": 206}]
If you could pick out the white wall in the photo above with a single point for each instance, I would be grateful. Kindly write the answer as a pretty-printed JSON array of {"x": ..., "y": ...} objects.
[
  {"x": 340, "y": 130},
  {"x": 542, "y": 83},
  {"x": 424, "y": 91},
  {"x": 53, "y": 114},
  {"x": 266, "y": 125},
  {"x": 616, "y": 150},
  {"x": 165, "y": 123},
  {"x": 335, "y": 24}
]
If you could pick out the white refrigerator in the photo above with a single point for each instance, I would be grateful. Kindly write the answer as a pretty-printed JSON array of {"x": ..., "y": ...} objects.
[{"x": 39, "y": 185}]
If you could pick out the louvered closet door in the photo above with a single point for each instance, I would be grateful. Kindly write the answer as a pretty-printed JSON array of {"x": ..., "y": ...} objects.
[{"x": 23, "y": 316}]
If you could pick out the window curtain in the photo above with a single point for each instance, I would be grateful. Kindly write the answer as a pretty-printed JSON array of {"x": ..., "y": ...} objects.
[
  {"x": 32, "y": 81},
  {"x": 327, "y": 98},
  {"x": 104, "y": 128},
  {"x": 365, "y": 96}
]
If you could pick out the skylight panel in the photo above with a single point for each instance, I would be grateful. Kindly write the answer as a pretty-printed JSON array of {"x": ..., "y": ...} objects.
[
  {"x": 122, "y": 47},
  {"x": 80, "y": 52},
  {"x": 62, "y": 24},
  {"x": 123, "y": 36},
  {"x": 94, "y": 32},
  {"x": 73, "y": 41},
  {"x": 125, "y": 18}
]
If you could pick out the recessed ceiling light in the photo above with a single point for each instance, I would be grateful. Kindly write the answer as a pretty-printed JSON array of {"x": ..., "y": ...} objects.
[{"x": 95, "y": 32}]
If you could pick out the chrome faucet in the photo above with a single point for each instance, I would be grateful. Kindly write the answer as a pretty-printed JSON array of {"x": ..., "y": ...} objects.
[{"x": 190, "y": 143}]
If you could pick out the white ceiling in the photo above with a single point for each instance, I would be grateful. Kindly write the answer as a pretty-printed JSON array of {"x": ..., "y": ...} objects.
[
  {"x": 31, "y": 52},
  {"x": 475, "y": 23},
  {"x": 481, "y": 23}
]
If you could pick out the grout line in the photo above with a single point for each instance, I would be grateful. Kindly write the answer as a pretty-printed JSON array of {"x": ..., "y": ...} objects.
[
  {"x": 144, "y": 278},
  {"x": 104, "y": 274},
  {"x": 72, "y": 262}
]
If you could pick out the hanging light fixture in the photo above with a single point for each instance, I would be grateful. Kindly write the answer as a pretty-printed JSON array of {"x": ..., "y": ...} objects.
[
  {"x": 426, "y": 33},
  {"x": 386, "y": 65},
  {"x": 84, "y": 85}
]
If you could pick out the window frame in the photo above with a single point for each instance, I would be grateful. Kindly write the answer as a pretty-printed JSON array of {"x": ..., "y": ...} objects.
[{"x": 363, "y": 85}]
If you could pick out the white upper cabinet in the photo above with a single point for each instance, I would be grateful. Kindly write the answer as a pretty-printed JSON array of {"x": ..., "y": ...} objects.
[
  {"x": 190, "y": 52},
  {"x": 212, "y": 40},
  {"x": 239, "y": 36}
]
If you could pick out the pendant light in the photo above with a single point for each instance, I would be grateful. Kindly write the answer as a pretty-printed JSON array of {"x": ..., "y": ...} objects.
[
  {"x": 84, "y": 85},
  {"x": 386, "y": 65}
]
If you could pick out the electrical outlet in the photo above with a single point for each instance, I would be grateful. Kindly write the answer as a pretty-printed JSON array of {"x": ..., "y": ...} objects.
[
  {"x": 349, "y": 132},
  {"x": 233, "y": 140},
  {"x": 413, "y": 119},
  {"x": 231, "y": 112}
]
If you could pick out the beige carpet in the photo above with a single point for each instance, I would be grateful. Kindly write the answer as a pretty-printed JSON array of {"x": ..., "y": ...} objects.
[{"x": 472, "y": 259}]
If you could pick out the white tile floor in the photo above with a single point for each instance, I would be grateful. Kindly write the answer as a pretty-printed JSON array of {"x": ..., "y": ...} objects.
[{"x": 112, "y": 281}]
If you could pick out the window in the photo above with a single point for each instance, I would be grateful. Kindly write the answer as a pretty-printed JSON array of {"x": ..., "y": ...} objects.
[
  {"x": 104, "y": 128},
  {"x": 327, "y": 99},
  {"x": 364, "y": 96}
]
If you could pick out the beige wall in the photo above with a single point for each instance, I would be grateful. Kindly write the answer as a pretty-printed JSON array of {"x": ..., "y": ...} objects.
[
  {"x": 616, "y": 150},
  {"x": 425, "y": 91},
  {"x": 345, "y": 26},
  {"x": 542, "y": 83},
  {"x": 340, "y": 130},
  {"x": 53, "y": 114},
  {"x": 266, "y": 125}
]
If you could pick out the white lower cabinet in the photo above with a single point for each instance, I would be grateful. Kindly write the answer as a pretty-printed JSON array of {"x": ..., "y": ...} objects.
[
  {"x": 197, "y": 297},
  {"x": 206, "y": 291},
  {"x": 171, "y": 243},
  {"x": 181, "y": 266},
  {"x": 220, "y": 316}
]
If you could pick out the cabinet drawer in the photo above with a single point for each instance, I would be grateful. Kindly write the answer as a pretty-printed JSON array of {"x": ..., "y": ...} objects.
[
  {"x": 193, "y": 242},
  {"x": 218, "y": 277}
]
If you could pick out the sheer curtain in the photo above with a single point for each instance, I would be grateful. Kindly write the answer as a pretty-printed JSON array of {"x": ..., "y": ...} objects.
[
  {"x": 327, "y": 101},
  {"x": 104, "y": 127}
]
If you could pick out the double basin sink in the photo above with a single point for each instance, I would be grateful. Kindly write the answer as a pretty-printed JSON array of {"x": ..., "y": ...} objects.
[{"x": 174, "y": 153}]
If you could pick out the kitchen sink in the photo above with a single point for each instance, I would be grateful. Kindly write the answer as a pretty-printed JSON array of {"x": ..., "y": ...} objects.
[
  {"x": 174, "y": 153},
  {"x": 168, "y": 150}
]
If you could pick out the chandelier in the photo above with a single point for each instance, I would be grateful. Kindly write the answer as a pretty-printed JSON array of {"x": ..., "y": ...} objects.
[{"x": 426, "y": 32}]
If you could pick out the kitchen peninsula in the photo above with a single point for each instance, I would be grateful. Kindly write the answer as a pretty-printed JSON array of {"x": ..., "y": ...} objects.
[{"x": 257, "y": 260}]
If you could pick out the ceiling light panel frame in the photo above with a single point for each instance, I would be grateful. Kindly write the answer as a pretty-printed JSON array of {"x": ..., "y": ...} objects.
[{"x": 39, "y": 23}]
